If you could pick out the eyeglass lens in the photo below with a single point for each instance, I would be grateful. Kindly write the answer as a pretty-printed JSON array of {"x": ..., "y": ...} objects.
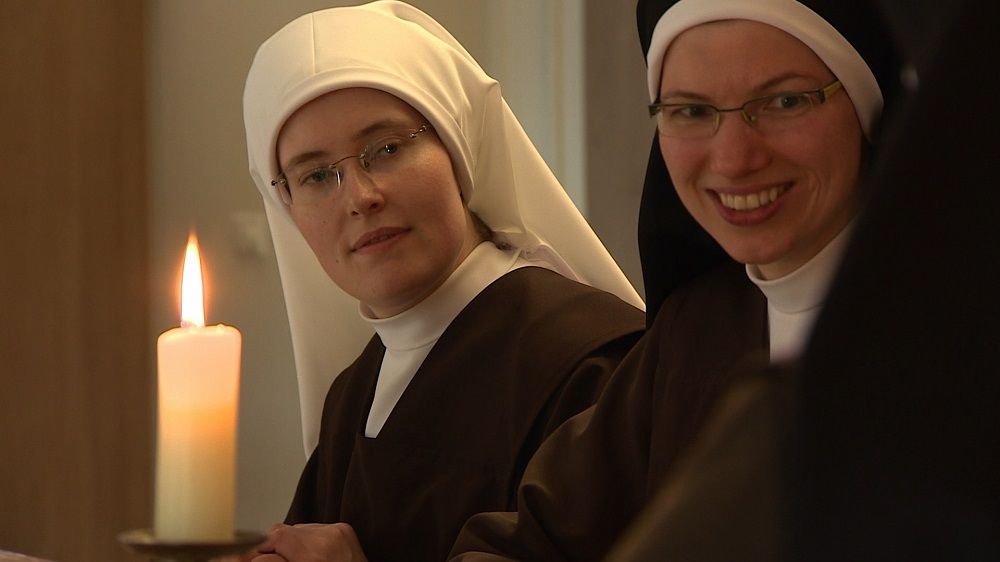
[
  {"x": 385, "y": 155},
  {"x": 767, "y": 114}
]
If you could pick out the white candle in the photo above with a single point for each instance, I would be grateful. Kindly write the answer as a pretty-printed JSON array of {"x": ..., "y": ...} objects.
[{"x": 198, "y": 389}]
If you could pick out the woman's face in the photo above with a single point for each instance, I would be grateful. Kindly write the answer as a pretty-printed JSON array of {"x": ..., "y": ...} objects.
[
  {"x": 389, "y": 238},
  {"x": 811, "y": 167}
]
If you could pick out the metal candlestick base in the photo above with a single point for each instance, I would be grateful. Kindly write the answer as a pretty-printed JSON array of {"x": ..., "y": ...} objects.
[{"x": 142, "y": 541}]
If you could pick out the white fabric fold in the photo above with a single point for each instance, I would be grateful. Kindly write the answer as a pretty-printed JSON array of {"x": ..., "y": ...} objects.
[{"x": 394, "y": 47}]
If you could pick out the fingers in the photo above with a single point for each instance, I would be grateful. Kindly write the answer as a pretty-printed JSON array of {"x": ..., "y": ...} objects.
[
  {"x": 268, "y": 545},
  {"x": 269, "y": 558},
  {"x": 311, "y": 542},
  {"x": 248, "y": 557}
]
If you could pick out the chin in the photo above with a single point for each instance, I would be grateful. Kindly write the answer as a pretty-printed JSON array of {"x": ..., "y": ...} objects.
[{"x": 755, "y": 254}]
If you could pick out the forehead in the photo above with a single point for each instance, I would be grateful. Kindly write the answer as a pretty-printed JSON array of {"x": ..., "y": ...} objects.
[
  {"x": 345, "y": 115},
  {"x": 736, "y": 53}
]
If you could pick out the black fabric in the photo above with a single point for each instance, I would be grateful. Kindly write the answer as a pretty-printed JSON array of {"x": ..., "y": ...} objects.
[
  {"x": 900, "y": 438},
  {"x": 673, "y": 248},
  {"x": 530, "y": 351}
]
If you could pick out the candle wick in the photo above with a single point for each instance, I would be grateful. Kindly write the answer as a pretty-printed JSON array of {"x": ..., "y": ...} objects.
[{"x": 187, "y": 324}]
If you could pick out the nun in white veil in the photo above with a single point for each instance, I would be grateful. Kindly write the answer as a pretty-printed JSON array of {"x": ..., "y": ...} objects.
[{"x": 516, "y": 330}]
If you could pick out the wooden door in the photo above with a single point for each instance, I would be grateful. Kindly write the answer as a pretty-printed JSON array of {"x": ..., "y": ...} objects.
[{"x": 75, "y": 365}]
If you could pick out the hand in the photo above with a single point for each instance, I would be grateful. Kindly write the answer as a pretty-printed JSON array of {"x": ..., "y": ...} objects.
[{"x": 311, "y": 542}]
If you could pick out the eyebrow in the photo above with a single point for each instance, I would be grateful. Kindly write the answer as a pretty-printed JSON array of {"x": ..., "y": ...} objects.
[
  {"x": 382, "y": 125},
  {"x": 756, "y": 90},
  {"x": 375, "y": 127},
  {"x": 305, "y": 157}
]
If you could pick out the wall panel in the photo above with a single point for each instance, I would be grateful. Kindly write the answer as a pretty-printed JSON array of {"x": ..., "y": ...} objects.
[{"x": 75, "y": 382}]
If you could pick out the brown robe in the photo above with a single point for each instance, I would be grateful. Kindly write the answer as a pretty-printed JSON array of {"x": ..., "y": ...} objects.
[
  {"x": 527, "y": 353},
  {"x": 594, "y": 475}
]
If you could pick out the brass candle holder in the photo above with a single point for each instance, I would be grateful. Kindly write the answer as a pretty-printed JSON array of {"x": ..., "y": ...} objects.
[{"x": 143, "y": 542}]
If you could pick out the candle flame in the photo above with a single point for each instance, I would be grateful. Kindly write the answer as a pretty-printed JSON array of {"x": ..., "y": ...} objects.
[{"x": 192, "y": 293}]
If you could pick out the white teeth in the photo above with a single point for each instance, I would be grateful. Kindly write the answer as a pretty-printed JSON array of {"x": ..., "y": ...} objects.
[{"x": 751, "y": 201}]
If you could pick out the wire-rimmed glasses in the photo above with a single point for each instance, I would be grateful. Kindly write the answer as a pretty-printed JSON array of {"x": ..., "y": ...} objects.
[
  {"x": 767, "y": 114},
  {"x": 314, "y": 184}
]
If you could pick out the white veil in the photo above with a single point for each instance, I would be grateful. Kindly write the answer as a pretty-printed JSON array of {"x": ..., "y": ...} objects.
[{"x": 394, "y": 47}]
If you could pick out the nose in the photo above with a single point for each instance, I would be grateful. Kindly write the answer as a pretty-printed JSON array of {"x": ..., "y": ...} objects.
[
  {"x": 737, "y": 149},
  {"x": 363, "y": 194}
]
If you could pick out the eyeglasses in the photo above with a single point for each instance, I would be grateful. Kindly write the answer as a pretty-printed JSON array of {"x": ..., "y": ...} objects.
[
  {"x": 386, "y": 154},
  {"x": 767, "y": 114}
]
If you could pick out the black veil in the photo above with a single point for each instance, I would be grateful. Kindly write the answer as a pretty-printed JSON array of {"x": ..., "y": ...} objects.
[{"x": 673, "y": 248}]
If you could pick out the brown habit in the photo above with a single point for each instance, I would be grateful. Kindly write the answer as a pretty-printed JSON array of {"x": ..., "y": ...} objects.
[
  {"x": 528, "y": 352},
  {"x": 595, "y": 474}
]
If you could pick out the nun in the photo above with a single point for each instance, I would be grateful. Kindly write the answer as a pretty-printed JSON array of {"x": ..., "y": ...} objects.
[
  {"x": 767, "y": 113},
  {"x": 396, "y": 178},
  {"x": 880, "y": 442}
]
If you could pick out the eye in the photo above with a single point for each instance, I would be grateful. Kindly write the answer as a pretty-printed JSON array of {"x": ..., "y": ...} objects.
[
  {"x": 692, "y": 112},
  {"x": 387, "y": 147},
  {"x": 319, "y": 177},
  {"x": 786, "y": 103}
]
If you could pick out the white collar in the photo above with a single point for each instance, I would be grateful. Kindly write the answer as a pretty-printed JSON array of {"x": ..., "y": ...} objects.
[
  {"x": 424, "y": 322},
  {"x": 805, "y": 288}
]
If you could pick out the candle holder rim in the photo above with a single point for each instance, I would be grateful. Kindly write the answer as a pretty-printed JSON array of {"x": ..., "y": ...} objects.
[{"x": 145, "y": 542}]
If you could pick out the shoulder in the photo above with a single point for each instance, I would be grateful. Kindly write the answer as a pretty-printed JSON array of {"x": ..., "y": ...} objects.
[
  {"x": 710, "y": 323},
  {"x": 541, "y": 325},
  {"x": 545, "y": 290},
  {"x": 722, "y": 295},
  {"x": 541, "y": 303}
]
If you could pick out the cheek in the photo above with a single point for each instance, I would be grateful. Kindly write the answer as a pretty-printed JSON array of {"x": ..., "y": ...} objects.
[
  {"x": 439, "y": 193},
  {"x": 455, "y": 219},
  {"x": 839, "y": 169},
  {"x": 832, "y": 152},
  {"x": 318, "y": 230},
  {"x": 682, "y": 161}
]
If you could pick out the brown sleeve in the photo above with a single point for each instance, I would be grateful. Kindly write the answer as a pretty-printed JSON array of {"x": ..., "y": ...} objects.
[
  {"x": 580, "y": 389},
  {"x": 595, "y": 452},
  {"x": 595, "y": 473},
  {"x": 303, "y": 505},
  {"x": 731, "y": 483},
  {"x": 584, "y": 385}
]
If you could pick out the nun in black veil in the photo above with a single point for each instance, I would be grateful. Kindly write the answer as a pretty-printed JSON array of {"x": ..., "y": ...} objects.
[
  {"x": 881, "y": 442},
  {"x": 767, "y": 114}
]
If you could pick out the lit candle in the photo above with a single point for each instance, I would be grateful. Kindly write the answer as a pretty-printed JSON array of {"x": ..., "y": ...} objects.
[{"x": 198, "y": 384}]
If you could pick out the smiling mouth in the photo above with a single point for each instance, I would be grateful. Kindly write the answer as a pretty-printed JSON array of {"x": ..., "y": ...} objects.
[{"x": 751, "y": 201}]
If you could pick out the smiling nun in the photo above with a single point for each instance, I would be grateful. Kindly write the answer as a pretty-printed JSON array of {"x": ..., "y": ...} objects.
[{"x": 766, "y": 113}]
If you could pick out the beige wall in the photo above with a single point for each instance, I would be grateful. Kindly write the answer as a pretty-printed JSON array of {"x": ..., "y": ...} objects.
[
  {"x": 198, "y": 56},
  {"x": 618, "y": 128}
]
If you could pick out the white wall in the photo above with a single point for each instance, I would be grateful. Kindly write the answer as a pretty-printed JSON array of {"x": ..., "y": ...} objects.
[{"x": 198, "y": 55}]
